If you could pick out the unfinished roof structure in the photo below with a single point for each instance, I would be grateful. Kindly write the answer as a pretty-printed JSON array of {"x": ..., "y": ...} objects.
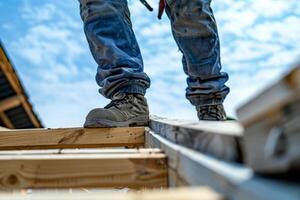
[
  {"x": 253, "y": 158},
  {"x": 15, "y": 109}
]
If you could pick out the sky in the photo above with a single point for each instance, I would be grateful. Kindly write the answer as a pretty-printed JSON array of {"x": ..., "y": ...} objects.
[{"x": 260, "y": 40}]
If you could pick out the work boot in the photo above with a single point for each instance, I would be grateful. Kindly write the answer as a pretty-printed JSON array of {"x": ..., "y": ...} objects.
[
  {"x": 124, "y": 110},
  {"x": 211, "y": 112}
]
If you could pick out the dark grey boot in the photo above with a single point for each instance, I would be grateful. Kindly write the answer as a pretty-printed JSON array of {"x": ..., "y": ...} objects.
[
  {"x": 211, "y": 112},
  {"x": 124, "y": 110}
]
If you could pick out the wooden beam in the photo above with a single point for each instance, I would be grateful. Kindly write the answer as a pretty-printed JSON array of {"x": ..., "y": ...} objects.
[
  {"x": 233, "y": 181},
  {"x": 6, "y": 121},
  {"x": 18, "y": 100},
  {"x": 13, "y": 79},
  {"x": 81, "y": 151},
  {"x": 197, "y": 193},
  {"x": 28, "y": 110},
  {"x": 71, "y": 138},
  {"x": 9, "y": 72},
  {"x": 10, "y": 103},
  {"x": 134, "y": 170},
  {"x": 220, "y": 139}
]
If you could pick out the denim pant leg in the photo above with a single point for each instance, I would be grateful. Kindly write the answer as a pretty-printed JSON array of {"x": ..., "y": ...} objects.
[
  {"x": 114, "y": 47},
  {"x": 195, "y": 32}
]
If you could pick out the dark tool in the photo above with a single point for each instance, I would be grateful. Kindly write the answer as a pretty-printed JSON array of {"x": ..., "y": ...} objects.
[
  {"x": 145, "y": 3},
  {"x": 161, "y": 8}
]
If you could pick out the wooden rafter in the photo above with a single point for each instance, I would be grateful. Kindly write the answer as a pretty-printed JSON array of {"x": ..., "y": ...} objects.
[
  {"x": 7, "y": 68},
  {"x": 10, "y": 103},
  {"x": 10, "y": 74},
  {"x": 28, "y": 109},
  {"x": 6, "y": 121}
]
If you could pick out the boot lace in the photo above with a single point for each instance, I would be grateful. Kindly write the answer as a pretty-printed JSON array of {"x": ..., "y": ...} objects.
[
  {"x": 118, "y": 103},
  {"x": 211, "y": 111}
]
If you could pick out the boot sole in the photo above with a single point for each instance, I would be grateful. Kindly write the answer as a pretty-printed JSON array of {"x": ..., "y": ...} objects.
[{"x": 103, "y": 123}]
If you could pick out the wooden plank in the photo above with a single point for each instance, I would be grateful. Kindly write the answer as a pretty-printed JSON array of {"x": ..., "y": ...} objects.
[
  {"x": 271, "y": 120},
  {"x": 6, "y": 121},
  {"x": 10, "y": 103},
  {"x": 220, "y": 139},
  {"x": 197, "y": 193},
  {"x": 81, "y": 151},
  {"x": 71, "y": 138},
  {"x": 233, "y": 181},
  {"x": 83, "y": 170}
]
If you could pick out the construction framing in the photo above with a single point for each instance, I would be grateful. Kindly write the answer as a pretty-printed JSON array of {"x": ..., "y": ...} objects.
[
  {"x": 71, "y": 138},
  {"x": 160, "y": 163},
  {"x": 167, "y": 154},
  {"x": 20, "y": 97},
  {"x": 188, "y": 167},
  {"x": 76, "y": 170}
]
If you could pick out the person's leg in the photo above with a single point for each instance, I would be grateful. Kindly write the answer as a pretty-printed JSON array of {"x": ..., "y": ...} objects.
[
  {"x": 195, "y": 31},
  {"x": 120, "y": 72},
  {"x": 114, "y": 47}
]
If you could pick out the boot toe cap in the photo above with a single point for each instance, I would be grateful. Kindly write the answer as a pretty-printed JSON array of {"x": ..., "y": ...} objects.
[{"x": 97, "y": 115}]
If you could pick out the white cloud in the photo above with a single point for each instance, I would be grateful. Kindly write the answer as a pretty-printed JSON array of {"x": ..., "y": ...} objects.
[
  {"x": 270, "y": 8},
  {"x": 56, "y": 76},
  {"x": 38, "y": 14}
]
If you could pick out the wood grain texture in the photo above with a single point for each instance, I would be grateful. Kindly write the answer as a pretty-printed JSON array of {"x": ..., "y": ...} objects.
[
  {"x": 220, "y": 139},
  {"x": 197, "y": 193},
  {"x": 71, "y": 138},
  {"x": 134, "y": 170},
  {"x": 233, "y": 181}
]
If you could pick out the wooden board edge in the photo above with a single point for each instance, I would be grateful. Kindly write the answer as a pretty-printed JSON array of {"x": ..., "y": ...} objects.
[
  {"x": 71, "y": 138},
  {"x": 183, "y": 193},
  {"x": 138, "y": 170}
]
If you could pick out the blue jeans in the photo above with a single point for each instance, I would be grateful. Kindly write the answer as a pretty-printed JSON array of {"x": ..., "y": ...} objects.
[{"x": 114, "y": 47}]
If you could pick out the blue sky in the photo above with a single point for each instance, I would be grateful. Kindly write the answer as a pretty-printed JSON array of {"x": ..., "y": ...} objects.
[{"x": 260, "y": 40}]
